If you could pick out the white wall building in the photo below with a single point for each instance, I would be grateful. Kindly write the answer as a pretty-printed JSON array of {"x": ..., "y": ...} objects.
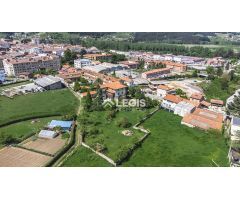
[
  {"x": 183, "y": 108},
  {"x": 80, "y": 63},
  {"x": 235, "y": 128},
  {"x": 2, "y": 76}
]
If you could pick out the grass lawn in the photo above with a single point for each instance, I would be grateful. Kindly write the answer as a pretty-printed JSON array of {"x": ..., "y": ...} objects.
[
  {"x": 111, "y": 134},
  {"x": 84, "y": 157},
  {"x": 57, "y": 102},
  {"x": 26, "y": 128},
  {"x": 173, "y": 144}
]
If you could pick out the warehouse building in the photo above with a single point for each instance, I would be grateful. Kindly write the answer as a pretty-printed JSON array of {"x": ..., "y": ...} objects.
[{"x": 49, "y": 82}]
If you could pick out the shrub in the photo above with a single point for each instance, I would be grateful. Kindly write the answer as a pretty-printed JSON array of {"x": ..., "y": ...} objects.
[{"x": 124, "y": 123}]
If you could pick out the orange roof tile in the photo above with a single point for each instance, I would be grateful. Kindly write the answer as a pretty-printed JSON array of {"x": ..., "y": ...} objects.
[
  {"x": 197, "y": 96},
  {"x": 114, "y": 85},
  {"x": 164, "y": 87},
  {"x": 173, "y": 98},
  {"x": 157, "y": 70},
  {"x": 91, "y": 93}
]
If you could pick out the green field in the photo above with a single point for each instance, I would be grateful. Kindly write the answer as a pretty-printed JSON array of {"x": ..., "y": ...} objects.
[
  {"x": 84, "y": 157},
  {"x": 57, "y": 102},
  {"x": 111, "y": 134},
  {"x": 24, "y": 129},
  {"x": 173, "y": 144}
]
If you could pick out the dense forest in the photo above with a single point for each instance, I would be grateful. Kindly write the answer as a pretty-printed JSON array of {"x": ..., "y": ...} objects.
[{"x": 174, "y": 37}]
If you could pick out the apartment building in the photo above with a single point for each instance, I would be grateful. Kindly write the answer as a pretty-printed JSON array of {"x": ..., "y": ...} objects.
[
  {"x": 16, "y": 66},
  {"x": 173, "y": 66},
  {"x": 156, "y": 73},
  {"x": 80, "y": 63},
  {"x": 98, "y": 56}
]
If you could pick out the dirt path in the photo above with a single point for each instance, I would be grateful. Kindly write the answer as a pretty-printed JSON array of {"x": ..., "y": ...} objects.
[{"x": 78, "y": 137}]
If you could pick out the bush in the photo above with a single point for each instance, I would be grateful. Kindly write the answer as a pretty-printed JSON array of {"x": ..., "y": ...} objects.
[
  {"x": 111, "y": 114},
  {"x": 124, "y": 123}
]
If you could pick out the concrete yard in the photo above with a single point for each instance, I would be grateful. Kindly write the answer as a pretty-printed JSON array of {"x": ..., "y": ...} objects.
[
  {"x": 50, "y": 146},
  {"x": 17, "y": 157}
]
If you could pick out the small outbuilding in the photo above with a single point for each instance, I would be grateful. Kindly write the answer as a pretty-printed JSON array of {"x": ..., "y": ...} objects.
[{"x": 47, "y": 134}]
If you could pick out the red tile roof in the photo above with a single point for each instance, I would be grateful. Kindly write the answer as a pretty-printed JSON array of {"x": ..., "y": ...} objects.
[{"x": 173, "y": 98}]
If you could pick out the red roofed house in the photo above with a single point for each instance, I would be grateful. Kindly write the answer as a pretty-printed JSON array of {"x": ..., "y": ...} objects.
[
  {"x": 114, "y": 90},
  {"x": 156, "y": 73},
  {"x": 163, "y": 90},
  {"x": 170, "y": 101},
  {"x": 92, "y": 93},
  {"x": 197, "y": 97}
]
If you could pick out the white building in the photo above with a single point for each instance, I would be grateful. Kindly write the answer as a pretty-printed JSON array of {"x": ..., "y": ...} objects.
[
  {"x": 2, "y": 76},
  {"x": 170, "y": 101},
  {"x": 80, "y": 63},
  {"x": 47, "y": 134},
  {"x": 183, "y": 108},
  {"x": 235, "y": 128}
]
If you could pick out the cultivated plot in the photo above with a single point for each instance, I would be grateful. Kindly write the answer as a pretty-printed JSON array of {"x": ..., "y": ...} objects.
[
  {"x": 50, "y": 146},
  {"x": 17, "y": 157}
]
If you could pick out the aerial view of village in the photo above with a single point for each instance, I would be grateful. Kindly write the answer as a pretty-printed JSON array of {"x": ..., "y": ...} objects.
[{"x": 119, "y": 99}]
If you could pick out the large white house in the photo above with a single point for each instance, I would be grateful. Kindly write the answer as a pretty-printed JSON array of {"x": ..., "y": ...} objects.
[
  {"x": 170, "y": 101},
  {"x": 235, "y": 128}
]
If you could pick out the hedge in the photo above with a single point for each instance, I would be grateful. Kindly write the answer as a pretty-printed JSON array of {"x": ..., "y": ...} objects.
[{"x": 28, "y": 118}]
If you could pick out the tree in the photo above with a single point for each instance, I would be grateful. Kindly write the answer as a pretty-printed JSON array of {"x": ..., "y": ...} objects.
[
  {"x": 141, "y": 64},
  {"x": 181, "y": 93},
  {"x": 69, "y": 57},
  {"x": 195, "y": 73},
  {"x": 234, "y": 107},
  {"x": 82, "y": 52},
  {"x": 219, "y": 71},
  {"x": 76, "y": 86},
  {"x": 98, "y": 101},
  {"x": 98, "y": 81},
  {"x": 210, "y": 71},
  {"x": 87, "y": 102}
]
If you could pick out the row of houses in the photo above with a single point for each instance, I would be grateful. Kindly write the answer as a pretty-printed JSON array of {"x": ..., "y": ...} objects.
[{"x": 194, "y": 111}]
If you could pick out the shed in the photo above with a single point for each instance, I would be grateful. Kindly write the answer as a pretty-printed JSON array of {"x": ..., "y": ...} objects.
[
  {"x": 65, "y": 125},
  {"x": 47, "y": 134}
]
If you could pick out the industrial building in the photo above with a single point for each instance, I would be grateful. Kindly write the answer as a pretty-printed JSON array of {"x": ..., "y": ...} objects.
[{"x": 49, "y": 82}]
